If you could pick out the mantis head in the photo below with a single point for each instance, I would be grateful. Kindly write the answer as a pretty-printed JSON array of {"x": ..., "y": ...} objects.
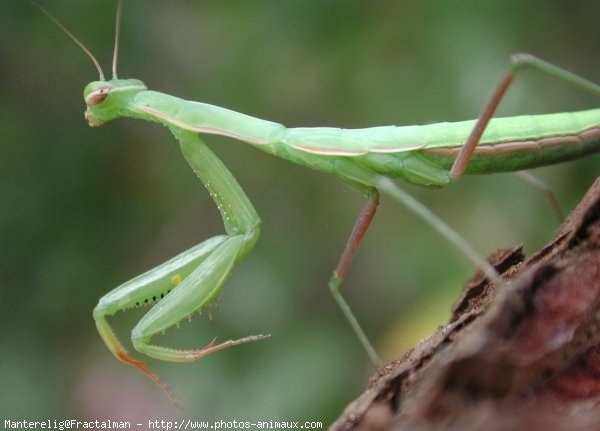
[{"x": 107, "y": 100}]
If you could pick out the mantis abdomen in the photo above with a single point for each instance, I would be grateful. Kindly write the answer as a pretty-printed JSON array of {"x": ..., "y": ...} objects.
[{"x": 424, "y": 154}]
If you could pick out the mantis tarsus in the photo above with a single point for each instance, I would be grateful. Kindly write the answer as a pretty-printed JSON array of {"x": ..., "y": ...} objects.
[{"x": 365, "y": 159}]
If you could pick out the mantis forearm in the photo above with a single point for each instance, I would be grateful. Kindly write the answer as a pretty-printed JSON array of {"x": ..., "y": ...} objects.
[{"x": 239, "y": 216}]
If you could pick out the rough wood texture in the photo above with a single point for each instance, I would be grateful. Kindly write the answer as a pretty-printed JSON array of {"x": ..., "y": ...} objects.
[{"x": 523, "y": 357}]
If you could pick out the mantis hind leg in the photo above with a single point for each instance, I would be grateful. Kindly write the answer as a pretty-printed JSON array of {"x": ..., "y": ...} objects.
[
  {"x": 360, "y": 227},
  {"x": 543, "y": 187},
  {"x": 518, "y": 62},
  {"x": 388, "y": 186}
]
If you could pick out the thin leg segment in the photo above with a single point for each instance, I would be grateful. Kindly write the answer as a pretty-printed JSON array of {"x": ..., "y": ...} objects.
[
  {"x": 360, "y": 227},
  {"x": 540, "y": 185},
  {"x": 386, "y": 185},
  {"x": 518, "y": 63}
]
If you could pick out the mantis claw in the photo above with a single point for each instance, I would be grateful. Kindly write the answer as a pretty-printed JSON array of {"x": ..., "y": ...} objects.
[
  {"x": 193, "y": 355},
  {"x": 143, "y": 367}
]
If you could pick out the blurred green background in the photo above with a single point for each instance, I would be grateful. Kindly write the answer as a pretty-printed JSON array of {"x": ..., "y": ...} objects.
[{"x": 84, "y": 210}]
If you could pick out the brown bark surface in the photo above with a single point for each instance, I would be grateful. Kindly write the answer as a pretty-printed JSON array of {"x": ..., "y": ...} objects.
[{"x": 524, "y": 356}]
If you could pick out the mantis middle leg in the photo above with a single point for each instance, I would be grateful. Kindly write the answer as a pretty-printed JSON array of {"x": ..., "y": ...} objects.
[
  {"x": 360, "y": 227},
  {"x": 386, "y": 185}
]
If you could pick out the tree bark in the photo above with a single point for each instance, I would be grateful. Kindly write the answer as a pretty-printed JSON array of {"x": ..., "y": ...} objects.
[{"x": 523, "y": 356}]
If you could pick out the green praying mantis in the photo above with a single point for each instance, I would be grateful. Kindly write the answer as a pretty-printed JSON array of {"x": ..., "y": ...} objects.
[{"x": 367, "y": 160}]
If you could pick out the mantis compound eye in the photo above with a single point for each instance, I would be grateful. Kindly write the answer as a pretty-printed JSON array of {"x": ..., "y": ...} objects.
[{"x": 97, "y": 96}]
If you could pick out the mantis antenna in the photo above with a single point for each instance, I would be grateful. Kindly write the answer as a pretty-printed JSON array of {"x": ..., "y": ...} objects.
[
  {"x": 117, "y": 31},
  {"x": 77, "y": 41}
]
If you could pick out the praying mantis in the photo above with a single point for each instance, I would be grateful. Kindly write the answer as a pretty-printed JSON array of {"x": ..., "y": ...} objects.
[{"x": 367, "y": 160}]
